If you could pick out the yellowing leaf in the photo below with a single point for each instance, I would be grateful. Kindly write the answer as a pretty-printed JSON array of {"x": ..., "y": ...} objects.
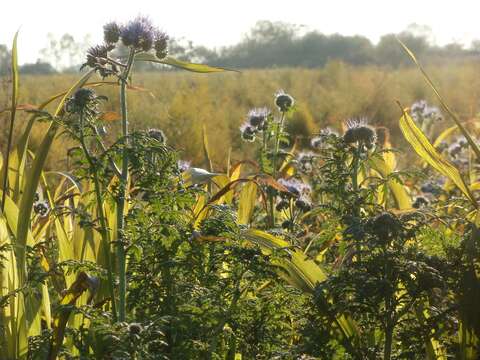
[{"x": 426, "y": 151}]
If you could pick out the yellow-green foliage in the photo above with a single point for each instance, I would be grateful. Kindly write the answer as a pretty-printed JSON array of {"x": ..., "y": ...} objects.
[{"x": 179, "y": 103}]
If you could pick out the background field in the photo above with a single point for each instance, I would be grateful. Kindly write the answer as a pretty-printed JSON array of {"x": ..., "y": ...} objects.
[{"x": 180, "y": 103}]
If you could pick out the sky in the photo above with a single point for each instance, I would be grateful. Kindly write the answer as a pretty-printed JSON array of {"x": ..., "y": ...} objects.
[{"x": 217, "y": 23}]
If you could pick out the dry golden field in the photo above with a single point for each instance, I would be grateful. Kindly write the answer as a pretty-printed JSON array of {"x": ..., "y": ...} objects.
[{"x": 180, "y": 103}]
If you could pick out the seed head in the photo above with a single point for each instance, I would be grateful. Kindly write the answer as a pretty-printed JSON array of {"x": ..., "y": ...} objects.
[
  {"x": 283, "y": 101},
  {"x": 138, "y": 33},
  {"x": 158, "y": 135},
  {"x": 111, "y": 33}
]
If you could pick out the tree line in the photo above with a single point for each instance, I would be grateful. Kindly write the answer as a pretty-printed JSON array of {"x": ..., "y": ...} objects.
[{"x": 273, "y": 44}]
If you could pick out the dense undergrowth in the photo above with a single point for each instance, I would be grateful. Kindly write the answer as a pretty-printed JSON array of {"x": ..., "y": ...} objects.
[{"x": 317, "y": 247}]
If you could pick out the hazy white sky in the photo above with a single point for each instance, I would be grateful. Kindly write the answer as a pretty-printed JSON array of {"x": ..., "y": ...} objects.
[{"x": 217, "y": 22}]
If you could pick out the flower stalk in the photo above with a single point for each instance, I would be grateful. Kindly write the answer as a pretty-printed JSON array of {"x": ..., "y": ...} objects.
[{"x": 121, "y": 256}]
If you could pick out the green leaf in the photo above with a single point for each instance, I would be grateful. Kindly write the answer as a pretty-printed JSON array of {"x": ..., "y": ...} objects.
[
  {"x": 426, "y": 151},
  {"x": 399, "y": 192},
  {"x": 198, "y": 68}
]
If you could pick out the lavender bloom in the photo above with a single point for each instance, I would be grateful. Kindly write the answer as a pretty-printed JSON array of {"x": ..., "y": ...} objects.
[
  {"x": 296, "y": 187},
  {"x": 421, "y": 111},
  {"x": 183, "y": 165},
  {"x": 139, "y": 34}
]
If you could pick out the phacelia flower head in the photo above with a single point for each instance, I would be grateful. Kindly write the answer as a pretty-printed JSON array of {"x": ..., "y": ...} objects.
[
  {"x": 359, "y": 132},
  {"x": 158, "y": 135},
  {"x": 83, "y": 100},
  {"x": 160, "y": 44},
  {"x": 183, "y": 165},
  {"x": 421, "y": 111},
  {"x": 296, "y": 187},
  {"x": 111, "y": 33},
  {"x": 97, "y": 55},
  {"x": 305, "y": 161},
  {"x": 283, "y": 101},
  {"x": 138, "y": 33},
  {"x": 248, "y": 132},
  {"x": 258, "y": 118},
  {"x": 420, "y": 201},
  {"x": 41, "y": 208}
]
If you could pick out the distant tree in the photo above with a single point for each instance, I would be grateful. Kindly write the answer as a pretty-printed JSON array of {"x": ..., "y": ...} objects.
[
  {"x": 65, "y": 52},
  {"x": 4, "y": 60},
  {"x": 37, "y": 68},
  {"x": 389, "y": 52}
]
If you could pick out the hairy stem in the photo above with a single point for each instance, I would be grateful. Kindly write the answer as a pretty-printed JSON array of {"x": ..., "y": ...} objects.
[{"x": 122, "y": 192}]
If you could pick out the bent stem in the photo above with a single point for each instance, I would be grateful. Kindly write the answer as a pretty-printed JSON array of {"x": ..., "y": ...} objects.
[{"x": 122, "y": 191}]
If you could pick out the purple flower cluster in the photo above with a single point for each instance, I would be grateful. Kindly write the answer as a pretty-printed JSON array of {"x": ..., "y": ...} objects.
[
  {"x": 257, "y": 121},
  {"x": 421, "y": 112}
]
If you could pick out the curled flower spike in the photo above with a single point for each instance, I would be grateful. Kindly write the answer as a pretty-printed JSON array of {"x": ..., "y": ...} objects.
[
  {"x": 160, "y": 44},
  {"x": 359, "y": 132},
  {"x": 139, "y": 34},
  {"x": 111, "y": 33},
  {"x": 258, "y": 118},
  {"x": 157, "y": 135},
  {"x": 284, "y": 101}
]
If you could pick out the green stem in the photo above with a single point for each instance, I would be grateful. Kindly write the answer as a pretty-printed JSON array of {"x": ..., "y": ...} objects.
[
  {"x": 122, "y": 192},
  {"x": 278, "y": 133},
  {"x": 102, "y": 219}
]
